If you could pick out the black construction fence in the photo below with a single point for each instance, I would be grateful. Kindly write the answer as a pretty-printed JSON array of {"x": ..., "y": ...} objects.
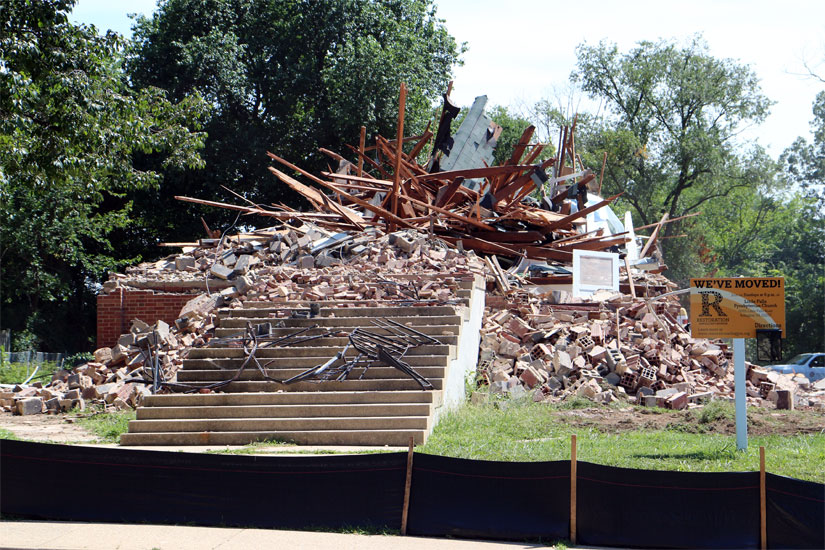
[{"x": 446, "y": 496}]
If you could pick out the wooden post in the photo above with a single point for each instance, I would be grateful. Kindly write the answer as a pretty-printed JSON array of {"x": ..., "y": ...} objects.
[
  {"x": 601, "y": 175},
  {"x": 407, "y": 485},
  {"x": 763, "y": 504},
  {"x": 402, "y": 102},
  {"x": 629, "y": 277},
  {"x": 573, "y": 465},
  {"x": 361, "y": 143}
]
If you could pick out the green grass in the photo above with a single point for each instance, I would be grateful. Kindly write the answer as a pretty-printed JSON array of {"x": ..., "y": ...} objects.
[
  {"x": 526, "y": 431},
  {"x": 252, "y": 448},
  {"x": 287, "y": 448},
  {"x": 107, "y": 426},
  {"x": 16, "y": 373},
  {"x": 6, "y": 434}
]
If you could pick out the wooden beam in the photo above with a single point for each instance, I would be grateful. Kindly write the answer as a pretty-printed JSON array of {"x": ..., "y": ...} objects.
[
  {"x": 402, "y": 102},
  {"x": 350, "y": 177},
  {"x": 362, "y": 138},
  {"x": 377, "y": 166},
  {"x": 450, "y": 214},
  {"x": 352, "y": 217},
  {"x": 416, "y": 150},
  {"x": 629, "y": 277},
  {"x": 669, "y": 220},
  {"x": 371, "y": 207},
  {"x": 652, "y": 239},
  {"x": 581, "y": 213},
  {"x": 407, "y": 486},
  {"x": 482, "y": 246}
]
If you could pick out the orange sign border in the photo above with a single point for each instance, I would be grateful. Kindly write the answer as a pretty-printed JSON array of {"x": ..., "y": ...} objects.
[{"x": 732, "y": 307}]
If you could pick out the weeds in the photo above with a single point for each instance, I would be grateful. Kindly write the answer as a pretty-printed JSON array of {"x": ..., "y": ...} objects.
[{"x": 108, "y": 426}]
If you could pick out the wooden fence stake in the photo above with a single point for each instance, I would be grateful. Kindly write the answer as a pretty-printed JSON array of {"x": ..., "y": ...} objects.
[
  {"x": 573, "y": 468},
  {"x": 407, "y": 485},
  {"x": 361, "y": 143},
  {"x": 763, "y": 504}
]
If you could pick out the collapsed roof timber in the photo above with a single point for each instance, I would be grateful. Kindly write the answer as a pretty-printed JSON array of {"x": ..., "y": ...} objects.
[{"x": 525, "y": 211}]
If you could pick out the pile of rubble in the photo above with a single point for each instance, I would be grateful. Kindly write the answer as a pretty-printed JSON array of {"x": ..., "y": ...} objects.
[
  {"x": 273, "y": 265},
  {"x": 615, "y": 347},
  {"x": 382, "y": 219}
]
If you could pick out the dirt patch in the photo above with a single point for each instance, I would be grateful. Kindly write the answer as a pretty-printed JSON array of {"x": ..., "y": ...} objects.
[
  {"x": 760, "y": 422},
  {"x": 46, "y": 427}
]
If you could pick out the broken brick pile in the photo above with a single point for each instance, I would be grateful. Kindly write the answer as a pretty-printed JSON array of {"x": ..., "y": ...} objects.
[
  {"x": 616, "y": 347},
  {"x": 278, "y": 266}
]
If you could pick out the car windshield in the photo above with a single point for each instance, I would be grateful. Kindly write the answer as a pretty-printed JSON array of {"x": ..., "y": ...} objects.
[{"x": 800, "y": 359}]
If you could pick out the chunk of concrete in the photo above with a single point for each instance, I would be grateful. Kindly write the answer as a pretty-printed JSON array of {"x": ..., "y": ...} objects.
[
  {"x": 184, "y": 262},
  {"x": 30, "y": 405},
  {"x": 221, "y": 272}
]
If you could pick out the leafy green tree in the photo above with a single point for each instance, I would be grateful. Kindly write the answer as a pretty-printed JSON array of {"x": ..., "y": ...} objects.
[
  {"x": 290, "y": 77},
  {"x": 70, "y": 126},
  {"x": 670, "y": 133},
  {"x": 805, "y": 162}
]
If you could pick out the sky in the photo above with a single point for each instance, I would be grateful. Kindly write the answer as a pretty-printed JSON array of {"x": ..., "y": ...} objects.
[{"x": 521, "y": 51}]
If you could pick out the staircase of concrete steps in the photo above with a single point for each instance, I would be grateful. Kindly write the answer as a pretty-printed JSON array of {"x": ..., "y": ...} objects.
[{"x": 377, "y": 406}]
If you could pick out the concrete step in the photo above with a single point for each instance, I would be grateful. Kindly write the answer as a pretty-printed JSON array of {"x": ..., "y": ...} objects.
[
  {"x": 309, "y": 351},
  {"x": 393, "y": 384},
  {"x": 290, "y": 398},
  {"x": 251, "y": 373},
  {"x": 349, "y": 323},
  {"x": 285, "y": 411},
  {"x": 319, "y": 437},
  {"x": 436, "y": 331},
  {"x": 273, "y": 360},
  {"x": 222, "y": 334},
  {"x": 373, "y": 312},
  {"x": 280, "y": 424}
]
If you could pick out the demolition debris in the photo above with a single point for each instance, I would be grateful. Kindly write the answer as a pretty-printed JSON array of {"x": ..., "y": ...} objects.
[{"x": 388, "y": 231}]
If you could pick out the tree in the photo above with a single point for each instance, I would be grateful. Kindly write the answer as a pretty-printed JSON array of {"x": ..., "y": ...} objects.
[
  {"x": 805, "y": 162},
  {"x": 289, "y": 77},
  {"x": 670, "y": 132},
  {"x": 70, "y": 126},
  {"x": 800, "y": 254}
]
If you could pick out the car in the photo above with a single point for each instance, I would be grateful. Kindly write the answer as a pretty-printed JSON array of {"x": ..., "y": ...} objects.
[{"x": 811, "y": 365}]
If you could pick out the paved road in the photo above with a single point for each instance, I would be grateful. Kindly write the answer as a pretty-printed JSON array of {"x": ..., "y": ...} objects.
[{"x": 107, "y": 536}]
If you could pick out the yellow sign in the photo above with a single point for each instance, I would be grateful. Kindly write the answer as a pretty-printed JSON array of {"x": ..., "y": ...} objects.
[{"x": 736, "y": 307}]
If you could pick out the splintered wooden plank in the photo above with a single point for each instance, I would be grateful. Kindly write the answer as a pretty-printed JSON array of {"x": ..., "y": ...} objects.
[
  {"x": 314, "y": 195},
  {"x": 520, "y": 182},
  {"x": 481, "y": 245},
  {"x": 513, "y": 237},
  {"x": 371, "y": 162},
  {"x": 446, "y": 192},
  {"x": 366, "y": 180},
  {"x": 425, "y": 137},
  {"x": 389, "y": 216},
  {"x": 515, "y": 158},
  {"x": 593, "y": 244},
  {"x": 542, "y": 253},
  {"x": 652, "y": 239},
  {"x": 450, "y": 214}
]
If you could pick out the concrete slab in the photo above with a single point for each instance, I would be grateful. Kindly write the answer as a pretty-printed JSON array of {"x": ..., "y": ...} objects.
[{"x": 105, "y": 536}]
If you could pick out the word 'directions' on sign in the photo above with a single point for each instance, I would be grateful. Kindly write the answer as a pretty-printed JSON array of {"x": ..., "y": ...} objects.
[{"x": 736, "y": 307}]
